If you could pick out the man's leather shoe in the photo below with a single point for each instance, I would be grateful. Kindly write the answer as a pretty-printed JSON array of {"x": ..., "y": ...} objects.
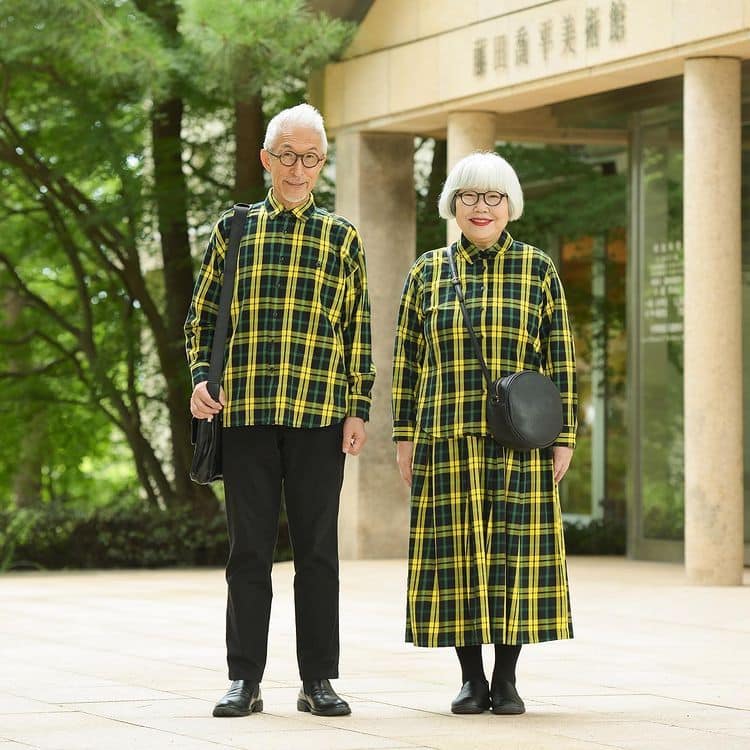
[
  {"x": 473, "y": 698},
  {"x": 505, "y": 699},
  {"x": 319, "y": 698},
  {"x": 242, "y": 699}
]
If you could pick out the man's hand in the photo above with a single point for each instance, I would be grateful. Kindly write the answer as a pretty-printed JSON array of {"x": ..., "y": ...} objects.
[
  {"x": 354, "y": 435},
  {"x": 561, "y": 457},
  {"x": 202, "y": 405},
  {"x": 404, "y": 457}
]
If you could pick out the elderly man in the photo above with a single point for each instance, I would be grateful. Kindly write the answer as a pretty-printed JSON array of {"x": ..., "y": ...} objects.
[{"x": 295, "y": 398}]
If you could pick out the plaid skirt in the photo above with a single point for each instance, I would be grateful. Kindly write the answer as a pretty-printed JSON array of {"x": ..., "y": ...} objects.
[{"x": 486, "y": 549}]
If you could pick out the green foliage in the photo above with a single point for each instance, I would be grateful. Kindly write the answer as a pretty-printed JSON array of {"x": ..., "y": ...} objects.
[
  {"x": 106, "y": 46},
  {"x": 565, "y": 194},
  {"x": 596, "y": 537},
  {"x": 245, "y": 45},
  {"x": 117, "y": 536},
  {"x": 84, "y": 280}
]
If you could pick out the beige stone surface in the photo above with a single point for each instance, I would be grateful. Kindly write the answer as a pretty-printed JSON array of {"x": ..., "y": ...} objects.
[
  {"x": 375, "y": 190},
  {"x": 372, "y": 88},
  {"x": 468, "y": 132},
  {"x": 714, "y": 497},
  {"x": 110, "y": 660}
]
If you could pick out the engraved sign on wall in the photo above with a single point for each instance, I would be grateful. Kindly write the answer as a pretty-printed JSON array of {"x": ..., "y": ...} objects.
[{"x": 558, "y": 37}]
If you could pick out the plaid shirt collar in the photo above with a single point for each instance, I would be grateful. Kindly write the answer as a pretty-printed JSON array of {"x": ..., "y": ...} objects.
[
  {"x": 471, "y": 252},
  {"x": 303, "y": 212}
]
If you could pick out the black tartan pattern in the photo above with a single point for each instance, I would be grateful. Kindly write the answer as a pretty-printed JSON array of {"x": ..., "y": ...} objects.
[
  {"x": 299, "y": 353},
  {"x": 486, "y": 550}
]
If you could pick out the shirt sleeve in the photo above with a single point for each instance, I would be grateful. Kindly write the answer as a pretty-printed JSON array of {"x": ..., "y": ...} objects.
[
  {"x": 204, "y": 305},
  {"x": 559, "y": 353},
  {"x": 357, "y": 336},
  {"x": 408, "y": 355}
]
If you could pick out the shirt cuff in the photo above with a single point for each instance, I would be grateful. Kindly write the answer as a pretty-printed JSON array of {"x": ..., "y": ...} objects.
[
  {"x": 199, "y": 373},
  {"x": 404, "y": 432},
  {"x": 359, "y": 406},
  {"x": 566, "y": 439}
]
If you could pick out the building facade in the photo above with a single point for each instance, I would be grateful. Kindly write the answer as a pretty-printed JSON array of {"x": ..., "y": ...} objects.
[{"x": 661, "y": 89}]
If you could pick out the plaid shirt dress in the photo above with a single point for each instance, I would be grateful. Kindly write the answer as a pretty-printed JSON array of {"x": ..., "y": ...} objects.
[{"x": 486, "y": 550}]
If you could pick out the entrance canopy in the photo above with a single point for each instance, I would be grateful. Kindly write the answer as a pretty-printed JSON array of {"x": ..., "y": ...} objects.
[{"x": 411, "y": 63}]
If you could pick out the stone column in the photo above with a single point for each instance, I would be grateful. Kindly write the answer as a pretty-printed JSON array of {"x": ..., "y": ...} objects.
[
  {"x": 467, "y": 132},
  {"x": 713, "y": 323},
  {"x": 375, "y": 191}
]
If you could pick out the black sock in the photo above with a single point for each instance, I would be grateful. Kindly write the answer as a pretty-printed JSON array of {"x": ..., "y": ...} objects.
[
  {"x": 505, "y": 663},
  {"x": 471, "y": 663}
]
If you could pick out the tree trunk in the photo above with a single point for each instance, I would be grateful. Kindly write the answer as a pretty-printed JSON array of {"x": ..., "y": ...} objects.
[
  {"x": 27, "y": 482},
  {"x": 438, "y": 173},
  {"x": 170, "y": 193},
  {"x": 249, "y": 129}
]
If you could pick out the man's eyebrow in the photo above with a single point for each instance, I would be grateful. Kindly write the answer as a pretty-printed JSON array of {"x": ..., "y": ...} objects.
[{"x": 288, "y": 146}]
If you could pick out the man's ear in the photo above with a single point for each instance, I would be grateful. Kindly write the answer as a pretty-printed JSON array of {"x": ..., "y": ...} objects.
[{"x": 265, "y": 160}]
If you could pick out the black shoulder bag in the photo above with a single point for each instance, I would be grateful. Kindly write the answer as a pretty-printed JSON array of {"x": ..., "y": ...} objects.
[
  {"x": 206, "y": 436},
  {"x": 524, "y": 410}
]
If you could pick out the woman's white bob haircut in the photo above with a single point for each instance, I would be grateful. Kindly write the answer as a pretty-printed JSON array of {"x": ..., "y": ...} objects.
[
  {"x": 301, "y": 116},
  {"x": 482, "y": 170}
]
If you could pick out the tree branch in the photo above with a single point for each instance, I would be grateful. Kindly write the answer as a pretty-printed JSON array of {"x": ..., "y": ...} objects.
[{"x": 37, "y": 301}]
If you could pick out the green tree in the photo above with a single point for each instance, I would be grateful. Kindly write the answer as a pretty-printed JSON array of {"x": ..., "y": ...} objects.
[{"x": 125, "y": 125}]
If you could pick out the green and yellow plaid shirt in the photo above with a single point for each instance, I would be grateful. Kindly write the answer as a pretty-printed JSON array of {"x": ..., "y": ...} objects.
[
  {"x": 299, "y": 349},
  {"x": 517, "y": 307}
]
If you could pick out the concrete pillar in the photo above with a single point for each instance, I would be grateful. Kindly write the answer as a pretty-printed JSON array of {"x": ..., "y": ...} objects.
[
  {"x": 713, "y": 323},
  {"x": 467, "y": 132},
  {"x": 375, "y": 191}
]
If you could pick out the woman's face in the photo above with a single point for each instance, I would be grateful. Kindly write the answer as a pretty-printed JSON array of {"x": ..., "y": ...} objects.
[{"x": 481, "y": 223}]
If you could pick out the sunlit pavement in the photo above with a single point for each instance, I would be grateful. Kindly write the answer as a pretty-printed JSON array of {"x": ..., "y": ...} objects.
[{"x": 135, "y": 659}]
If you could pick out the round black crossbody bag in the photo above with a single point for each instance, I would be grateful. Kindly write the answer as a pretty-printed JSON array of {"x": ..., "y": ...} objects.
[{"x": 524, "y": 409}]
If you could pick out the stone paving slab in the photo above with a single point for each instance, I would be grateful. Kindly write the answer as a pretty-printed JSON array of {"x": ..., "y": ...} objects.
[{"x": 135, "y": 659}]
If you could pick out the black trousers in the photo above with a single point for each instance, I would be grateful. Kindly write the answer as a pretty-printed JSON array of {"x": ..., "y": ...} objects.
[{"x": 310, "y": 464}]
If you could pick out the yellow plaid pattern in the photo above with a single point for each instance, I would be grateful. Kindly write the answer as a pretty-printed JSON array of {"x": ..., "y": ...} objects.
[
  {"x": 518, "y": 310},
  {"x": 486, "y": 549},
  {"x": 299, "y": 349}
]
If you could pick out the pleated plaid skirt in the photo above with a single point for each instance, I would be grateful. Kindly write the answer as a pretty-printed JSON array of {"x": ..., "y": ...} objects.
[{"x": 486, "y": 549}]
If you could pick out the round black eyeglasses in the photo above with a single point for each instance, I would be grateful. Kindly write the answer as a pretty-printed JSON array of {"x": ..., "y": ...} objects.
[
  {"x": 471, "y": 197},
  {"x": 289, "y": 158}
]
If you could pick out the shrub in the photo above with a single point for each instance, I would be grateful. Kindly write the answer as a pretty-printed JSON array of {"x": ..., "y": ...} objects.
[
  {"x": 600, "y": 536},
  {"x": 54, "y": 536}
]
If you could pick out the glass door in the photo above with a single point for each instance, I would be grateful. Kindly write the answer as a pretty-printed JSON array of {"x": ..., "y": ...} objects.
[{"x": 656, "y": 471}]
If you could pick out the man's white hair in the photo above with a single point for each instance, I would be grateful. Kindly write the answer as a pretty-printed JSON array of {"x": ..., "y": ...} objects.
[
  {"x": 482, "y": 171},
  {"x": 303, "y": 116}
]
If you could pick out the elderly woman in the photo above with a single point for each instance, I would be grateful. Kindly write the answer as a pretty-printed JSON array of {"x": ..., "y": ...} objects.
[{"x": 486, "y": 551}]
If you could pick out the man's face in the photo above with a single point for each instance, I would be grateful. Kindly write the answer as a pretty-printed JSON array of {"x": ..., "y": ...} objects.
[{"x": 292, "y": 185}]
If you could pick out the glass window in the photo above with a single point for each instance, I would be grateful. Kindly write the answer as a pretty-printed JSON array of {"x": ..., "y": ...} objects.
[{"x": 660, "y": 319}]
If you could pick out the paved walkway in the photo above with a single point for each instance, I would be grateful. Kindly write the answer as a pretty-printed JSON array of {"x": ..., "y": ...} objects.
[{"x": 111, "y": 660}]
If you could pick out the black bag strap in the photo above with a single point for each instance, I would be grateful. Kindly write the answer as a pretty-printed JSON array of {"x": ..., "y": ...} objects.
[
  {"x": 216, "y": 366},
  {"x": 474, "y": 340}
]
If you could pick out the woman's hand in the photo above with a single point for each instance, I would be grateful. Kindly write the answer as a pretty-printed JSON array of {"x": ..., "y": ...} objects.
[
  {"x": 404, "y": 456},
  {"x": 561, "y": 457},
  {"x": 202, "y": 405}
]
